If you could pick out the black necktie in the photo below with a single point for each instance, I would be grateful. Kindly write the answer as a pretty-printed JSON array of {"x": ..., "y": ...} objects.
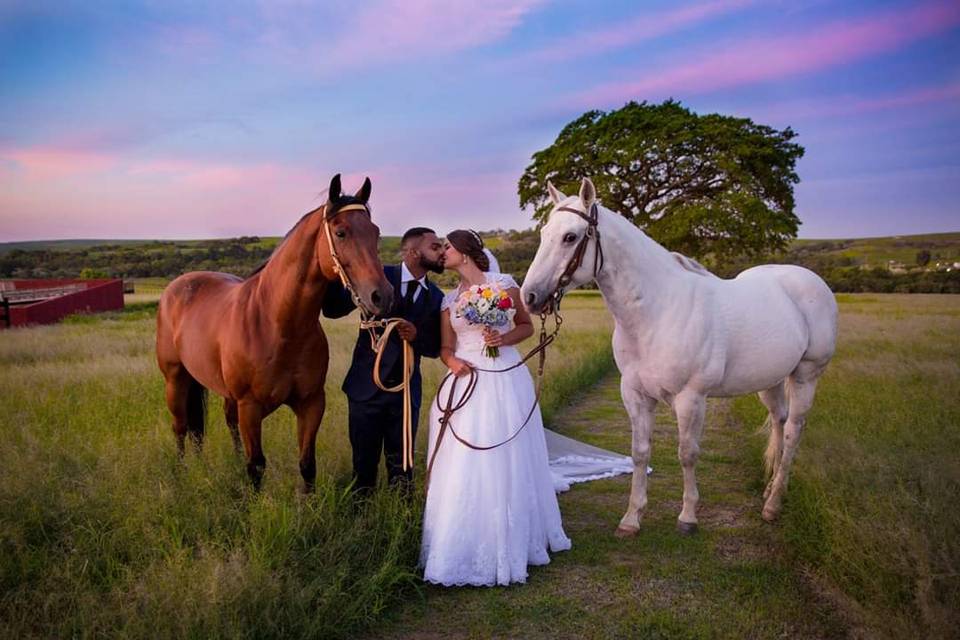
[{"x": 412, "y": 287}]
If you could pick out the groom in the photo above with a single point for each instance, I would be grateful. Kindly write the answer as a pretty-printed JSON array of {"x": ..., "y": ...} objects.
[{"x": 376, "y": 416}]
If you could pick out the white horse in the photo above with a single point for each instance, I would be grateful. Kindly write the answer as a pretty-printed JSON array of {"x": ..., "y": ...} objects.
[{"x": 683, "y": 334}]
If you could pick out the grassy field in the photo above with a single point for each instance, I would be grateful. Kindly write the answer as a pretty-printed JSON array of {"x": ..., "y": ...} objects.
[
  {"x": 103, "y": 532},
  {"x": 872, "y": 506}
]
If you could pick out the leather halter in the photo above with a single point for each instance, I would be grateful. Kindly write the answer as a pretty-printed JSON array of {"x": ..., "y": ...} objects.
[
  {"x": 593, "y": 231},
  {"x": 337, "y": 266}
]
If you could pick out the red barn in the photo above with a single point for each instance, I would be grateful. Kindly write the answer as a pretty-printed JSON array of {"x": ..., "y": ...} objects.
[{"x": 24, "y": 302}]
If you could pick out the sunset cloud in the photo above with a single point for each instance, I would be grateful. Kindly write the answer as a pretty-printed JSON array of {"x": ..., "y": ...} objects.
[
  {"x": 392, "y": 29},
  {"x": 854, "y": 105},
  {"x": 185, "y": 120},
  {"x": 327, "y": 38},
  {"x": 49, "y": 162},
  {"x": 54, "y": 192},
  {"x": 772, "y": 58},
  {"x": 594, "y": 42}
]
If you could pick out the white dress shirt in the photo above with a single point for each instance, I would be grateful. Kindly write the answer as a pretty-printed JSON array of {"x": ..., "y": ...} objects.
[{"x": 406, "y": 277}]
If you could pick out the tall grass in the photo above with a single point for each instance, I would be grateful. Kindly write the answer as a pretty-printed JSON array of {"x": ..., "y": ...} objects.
[
  {"x": 872, "y": 500},
  {"x": 105, "y": 532}
]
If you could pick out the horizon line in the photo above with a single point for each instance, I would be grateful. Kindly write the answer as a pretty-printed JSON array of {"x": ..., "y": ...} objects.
[{"x": 488, "y": 231}]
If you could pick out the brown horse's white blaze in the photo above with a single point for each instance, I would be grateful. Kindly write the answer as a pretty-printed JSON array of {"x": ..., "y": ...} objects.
[
  {"x": 682, "y": 334},
  {"x": 258, "y": 342}
]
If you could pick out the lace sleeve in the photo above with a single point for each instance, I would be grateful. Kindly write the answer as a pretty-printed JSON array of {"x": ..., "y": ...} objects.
[
  {"x": 448, "y": 300},
  {"x": 507, "y": 281}
]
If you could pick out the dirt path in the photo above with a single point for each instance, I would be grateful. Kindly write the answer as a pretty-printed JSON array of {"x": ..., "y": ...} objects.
[{"x": 732, "y": 580}]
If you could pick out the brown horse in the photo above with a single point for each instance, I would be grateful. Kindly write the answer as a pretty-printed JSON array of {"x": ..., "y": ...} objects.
[{"x": 258, "y": 342}]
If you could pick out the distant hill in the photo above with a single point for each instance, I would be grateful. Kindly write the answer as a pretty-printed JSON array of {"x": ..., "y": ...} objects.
[
  {"x": 878, "y": 252},
  {"x": 866, "y": 251},
  {"x": 63, "y": 245},
  {"x": 896, "y": 263}
]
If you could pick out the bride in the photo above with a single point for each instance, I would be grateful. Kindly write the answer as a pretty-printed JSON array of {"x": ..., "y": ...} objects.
[{"x": 490, "y": 514}]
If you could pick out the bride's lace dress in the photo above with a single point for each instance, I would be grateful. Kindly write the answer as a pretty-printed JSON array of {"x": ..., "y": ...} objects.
[{"x": 489, "y": 514}]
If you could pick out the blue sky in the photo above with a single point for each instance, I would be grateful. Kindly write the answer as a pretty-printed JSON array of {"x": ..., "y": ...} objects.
[{"x": 190, "y": 120}]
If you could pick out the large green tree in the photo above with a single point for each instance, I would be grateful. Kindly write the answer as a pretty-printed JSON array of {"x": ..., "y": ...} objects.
[{"x": 709, "y": 186}]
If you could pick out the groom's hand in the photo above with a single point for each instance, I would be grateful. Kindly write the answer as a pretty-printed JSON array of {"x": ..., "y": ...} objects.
[{"x": 406, "y": 330}]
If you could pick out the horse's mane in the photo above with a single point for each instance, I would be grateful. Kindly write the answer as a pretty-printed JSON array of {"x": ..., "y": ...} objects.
[
  {"x": 342, "y": 201},
  {"x": 691, "y": 265}
]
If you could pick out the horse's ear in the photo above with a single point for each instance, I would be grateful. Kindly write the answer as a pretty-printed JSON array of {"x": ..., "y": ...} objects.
[
  {"x": 364, "y": 194},
  {"x": 334, "y": 193},
  {"x": 588, "y": 193},
  {"x": 555, "y": 195}
]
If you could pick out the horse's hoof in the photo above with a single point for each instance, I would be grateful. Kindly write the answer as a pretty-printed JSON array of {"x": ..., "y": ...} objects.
[
  {"x": 626, "y": 532},
  {"x": 687, "y": 528},
  {"x": 770, "y": 515}
]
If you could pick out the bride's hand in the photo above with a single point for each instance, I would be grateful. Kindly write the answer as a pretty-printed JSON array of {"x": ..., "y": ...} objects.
[
  {"x": 459, "y": 367},
  {"x": 492, "y": 337}
]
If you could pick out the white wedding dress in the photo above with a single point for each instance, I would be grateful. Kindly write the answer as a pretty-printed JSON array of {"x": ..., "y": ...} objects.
[{"x": 489, "y": 514}]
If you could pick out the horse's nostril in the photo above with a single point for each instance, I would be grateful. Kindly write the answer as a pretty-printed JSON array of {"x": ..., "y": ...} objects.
[
  {"x": 375, "y": 298},
  {"x": 531, "y": 298}
]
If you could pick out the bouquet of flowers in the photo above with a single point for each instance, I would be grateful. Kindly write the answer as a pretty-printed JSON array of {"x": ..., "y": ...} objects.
[{"x": 488, "y": 305}]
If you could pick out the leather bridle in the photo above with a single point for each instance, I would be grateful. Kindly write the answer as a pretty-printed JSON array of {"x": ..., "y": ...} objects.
[
  {"x": 328, "y": 216},
  {"x": 576, "y": 261}
]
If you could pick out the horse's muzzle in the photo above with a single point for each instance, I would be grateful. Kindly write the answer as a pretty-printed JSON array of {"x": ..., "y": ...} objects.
[
  {"x": 534, "y": 301},
  {"x": 381, "y": 299}
]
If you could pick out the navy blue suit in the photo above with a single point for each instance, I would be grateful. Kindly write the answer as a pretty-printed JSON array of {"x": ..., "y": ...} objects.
[{"x": 376, "y": 416}]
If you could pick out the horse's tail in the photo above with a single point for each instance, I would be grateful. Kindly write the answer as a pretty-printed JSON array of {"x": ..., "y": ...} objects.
[
  {"x": 774, "y": 447},
  {"x": 196, "y": 409}
]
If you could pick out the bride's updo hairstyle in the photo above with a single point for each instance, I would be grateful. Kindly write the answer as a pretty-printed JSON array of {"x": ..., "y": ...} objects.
[{"x": 470, "y": 244}]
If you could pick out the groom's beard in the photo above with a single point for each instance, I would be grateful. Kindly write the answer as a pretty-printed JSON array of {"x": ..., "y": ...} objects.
[{"x": 431, "y": 265}]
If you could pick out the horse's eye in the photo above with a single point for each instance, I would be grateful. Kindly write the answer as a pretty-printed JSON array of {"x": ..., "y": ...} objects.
[
  {"x": 569, "y": 237},
  {"x": 341, "y": 234}
]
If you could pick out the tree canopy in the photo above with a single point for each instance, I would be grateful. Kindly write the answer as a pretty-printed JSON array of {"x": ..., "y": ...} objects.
[{"x": 710, "y": 186}]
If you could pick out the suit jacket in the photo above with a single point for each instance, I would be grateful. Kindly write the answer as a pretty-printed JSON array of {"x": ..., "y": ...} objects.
[{"x": 424, "y": 314}]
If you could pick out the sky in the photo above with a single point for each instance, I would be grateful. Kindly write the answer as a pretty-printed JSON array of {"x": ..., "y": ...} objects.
[{"x": 167, "y": 119}]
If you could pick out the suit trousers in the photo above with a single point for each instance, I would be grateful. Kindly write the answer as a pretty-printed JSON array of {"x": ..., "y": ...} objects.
[{"x": 376, "y": 425}]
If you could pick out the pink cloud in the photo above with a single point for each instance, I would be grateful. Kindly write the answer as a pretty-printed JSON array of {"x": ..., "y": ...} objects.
[
  {"x": 645, "y": 27},
  {"x": 759, "y": 60},
  {"x": 177, "y": 197},
  {"x": 850, "y": 105},
  {"x": 47, "y": 193},
  {"x": 51, "y": 162},
  {"x": 393, "y": 29}
]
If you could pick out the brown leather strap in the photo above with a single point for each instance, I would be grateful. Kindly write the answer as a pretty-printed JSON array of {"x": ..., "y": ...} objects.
[
  {"x": 378, "y": 345},
  {"x": 473, "y": 375},
  {"x": 576, "y": 261}
]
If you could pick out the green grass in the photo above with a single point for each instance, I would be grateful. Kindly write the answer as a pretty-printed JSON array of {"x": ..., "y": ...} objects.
[
  {"x": 871, "y": 506},
  {"x": 104, "y": 532},
  {"x": 732, "y": 580}
]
